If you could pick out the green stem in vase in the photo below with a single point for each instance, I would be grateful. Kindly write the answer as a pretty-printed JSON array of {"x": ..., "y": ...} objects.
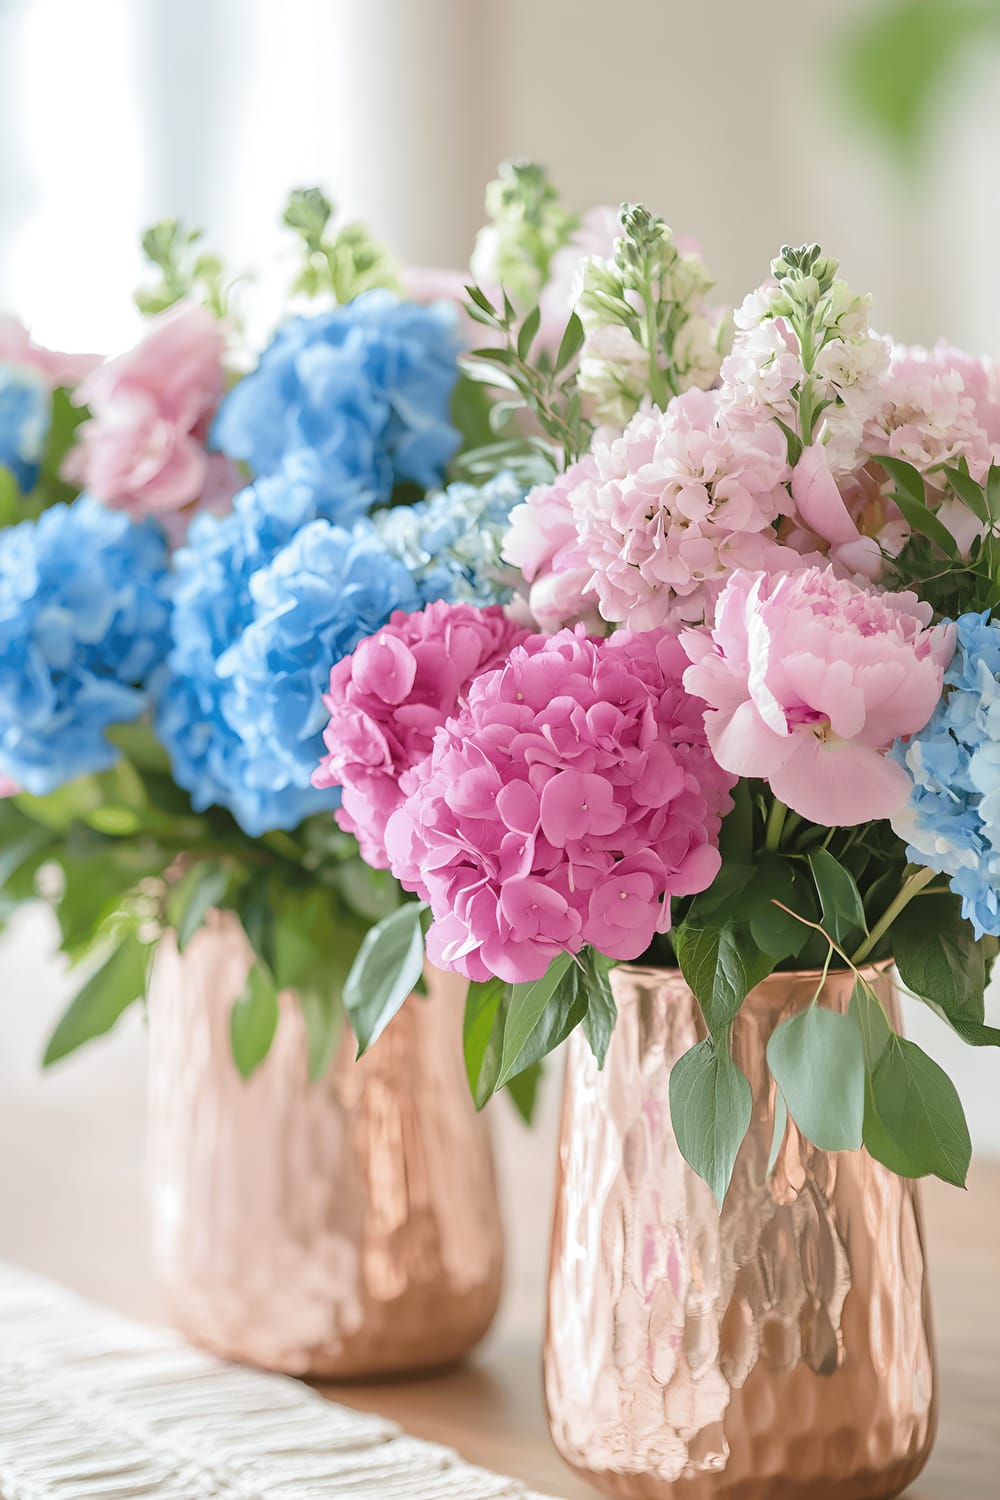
[
  {"x": 903, "y": 897},
  {"x": 775, "y": 825}
]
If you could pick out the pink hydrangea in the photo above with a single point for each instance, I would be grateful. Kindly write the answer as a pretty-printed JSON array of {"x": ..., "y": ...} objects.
[
  {"x": 389, "y": 697},
  {"x": 809, "y": 679},
  {"x": 669, "y": 509},
  {"x": 565, "y": 805},
  {"x": 543, "y": 543},
  {"x": 17, "y": 348},
  {"x": 143, "y": 449}
]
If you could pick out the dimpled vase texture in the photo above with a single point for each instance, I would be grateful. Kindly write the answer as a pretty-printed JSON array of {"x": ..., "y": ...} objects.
[
  {"x": 344, "y": 1228},
  {"x": 780, "y": 1352}
]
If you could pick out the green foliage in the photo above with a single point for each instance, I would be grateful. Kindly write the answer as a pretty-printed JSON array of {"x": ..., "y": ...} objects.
[
  {"x": 532, "y": 1024},
  {"x": 183, "y": 270},
  {"x": 528, "y": 225},
  {"x": 602, "y": 1012},
  {"x": 389, "y": 964},
  {"x": 895, "y": 65},
  {"x": 914, "y": 1122},
  {"x": 523, "y": 1090},
  {"x": 710, "y": 1108},
  {"x": 547, "y": 387},
  {"x": 253, "y": 1020},
  {"x": 346, "y": 263},
  {"x": 941, "y": 963},
  {"x": 106, "y": 995},
  {"x": 843, "y": 912},
  {"x": 818, "y": 1062},
  {"x": 721, "y": 964}
]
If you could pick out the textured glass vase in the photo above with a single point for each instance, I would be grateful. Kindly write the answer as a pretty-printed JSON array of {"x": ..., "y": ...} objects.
[
  {"x": 780, "y": 1352},
  {"x": 345, "y": 1228}
]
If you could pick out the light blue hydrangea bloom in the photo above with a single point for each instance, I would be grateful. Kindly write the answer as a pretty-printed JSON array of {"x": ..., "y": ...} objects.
[
  {"x": 952, "y": 820},
  {"x": 451, "y": 541},
  {"x": 266, "y": 599},
  {"x": 366, "y": 388},
  {"x": 83, "y": 628},
  {"x": 25, "y": 413}
]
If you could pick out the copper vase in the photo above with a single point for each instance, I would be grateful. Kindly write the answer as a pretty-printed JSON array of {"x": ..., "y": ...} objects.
[
  {"x": 342, "y": 1229},
  {"x": 782, "y": 1351}
]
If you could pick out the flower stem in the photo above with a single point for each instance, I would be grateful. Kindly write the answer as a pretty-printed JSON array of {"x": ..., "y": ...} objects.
[
  {"x": 903, "y": 897},
  {"x": 775, "y": 824}
]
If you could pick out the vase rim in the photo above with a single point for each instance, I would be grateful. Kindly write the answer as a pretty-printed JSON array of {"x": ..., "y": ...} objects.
[{"x": 777, "y": 976}]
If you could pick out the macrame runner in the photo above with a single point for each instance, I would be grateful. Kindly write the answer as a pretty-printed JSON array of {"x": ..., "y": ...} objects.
[{"x": 95, "y": 1407}]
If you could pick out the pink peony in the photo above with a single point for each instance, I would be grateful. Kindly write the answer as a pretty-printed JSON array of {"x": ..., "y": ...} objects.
[
  {"x": 830, "y": 517},
  {"x": 665, "y": 512},
  {"x": 565, "y": 805},
  {"x": 16, "y": 348},
  {"x": 543, "y": 543},
  {"x": 389, "y": 697},
  {"x": 809, "y": 679},
  {"x": 144, "y": 448}
]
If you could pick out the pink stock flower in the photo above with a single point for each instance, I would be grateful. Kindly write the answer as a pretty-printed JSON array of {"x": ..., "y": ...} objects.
[
  {"x": 809, "y": 679},
  {"x": 668, "y": 510},
  {"x": 389, "y": 697},
  {"x": 16, "y": 348},
  {"x": 543, "y": 543},
  {"x": 565, "y": 805},
  {"x": 938, "y": 406},
  {"x": 144, "y": 448}
]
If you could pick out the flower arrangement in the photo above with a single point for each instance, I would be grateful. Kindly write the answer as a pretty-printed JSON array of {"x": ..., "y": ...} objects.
[
  {"x": 740, "y": 714},
  {"x": 645, "y": 631},
  {"x": 190, "y": 536}
]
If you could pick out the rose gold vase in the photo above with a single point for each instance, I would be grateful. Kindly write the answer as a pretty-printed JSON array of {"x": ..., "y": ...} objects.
[
  {"x": 780, "y": 1352},
  {"x": 342, "y": 1229}
]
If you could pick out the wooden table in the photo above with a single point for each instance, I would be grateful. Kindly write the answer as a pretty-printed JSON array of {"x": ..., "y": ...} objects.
[{"x": 491, "y": 1410}]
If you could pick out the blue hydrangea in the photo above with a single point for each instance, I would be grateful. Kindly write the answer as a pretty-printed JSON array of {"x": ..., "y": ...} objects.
[
  {"x": 266, "y": 599},
  {"x": 366, "y": 388},
  {"x": 83, "y": 627},
  {"x": 25, "y": 413},
  {"x": 451, "y": 541},
  {"x": 952, "y": 820}
]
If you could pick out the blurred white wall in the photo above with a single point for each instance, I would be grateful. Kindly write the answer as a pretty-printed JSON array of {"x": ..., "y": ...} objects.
[{"x": 721, "y": 116}]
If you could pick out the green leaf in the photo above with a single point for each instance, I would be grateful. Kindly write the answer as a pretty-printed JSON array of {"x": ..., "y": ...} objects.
[
  {"x": 570, "y": 344},
  {"x": 710, "y": 1107},
  {"x": 202, "y": 887},
  {"x": 774, "y": 931},
  {"x": 907, "y": 479},
  {"x": 778, "y": 1133},
  {"x": 969, "y": 492},
  {"x": 722, "y": 965},
  {"x": 993, "y": 492},
  {"x": 523, "y": 1090},
  {"x": 387, "y": 968},
  {"x": 253, "y": 1021},
  {"x": 529, "y": 1029},
  {"x": 323, "y": 1014},
  {"x": 254, "y": 905},
  {"x": 941, "y": 963},
  {"x": 914, "y": 1121},
  {"x": 919, "y": 518},
  {"x": 602, "y": 1012},
  {"x": 843, "y": 912},
  {"x": 818, "y": 1062},
  {"x": 482, "y": 1036},
  {"x": 872, "y": 1023},
  {"x": 107, "y": 994},
  {"x": 527, "y": 333}
]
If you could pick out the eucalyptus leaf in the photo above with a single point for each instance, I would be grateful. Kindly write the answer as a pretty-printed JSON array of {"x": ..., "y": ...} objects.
[
  {"x": 711, "y": 1104},
  {"x": 914, "y": 1121},
  {"x": 532, "y": 1028},
  {"x": 107, "y": 994},
  {"x": 202, "y": 887},
  {"x": 818, "y": 1062},
  {"x": 253, "y": 1021},
  {"x": 722, "y": 965},
  {"x": 940, "y": 961},
  {"x": 602, "y": 1012},
  {"x": 388, "y": 965},
  {"x": 843, "y": 911},
  {"x": 778, "y": 1133}
]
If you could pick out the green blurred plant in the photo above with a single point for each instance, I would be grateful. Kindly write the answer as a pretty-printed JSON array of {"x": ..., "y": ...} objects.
[{"x": 896, "y": 65}]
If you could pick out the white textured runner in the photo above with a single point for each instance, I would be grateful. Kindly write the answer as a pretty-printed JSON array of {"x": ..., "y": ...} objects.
[{"x": 95, "y": 1407}]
